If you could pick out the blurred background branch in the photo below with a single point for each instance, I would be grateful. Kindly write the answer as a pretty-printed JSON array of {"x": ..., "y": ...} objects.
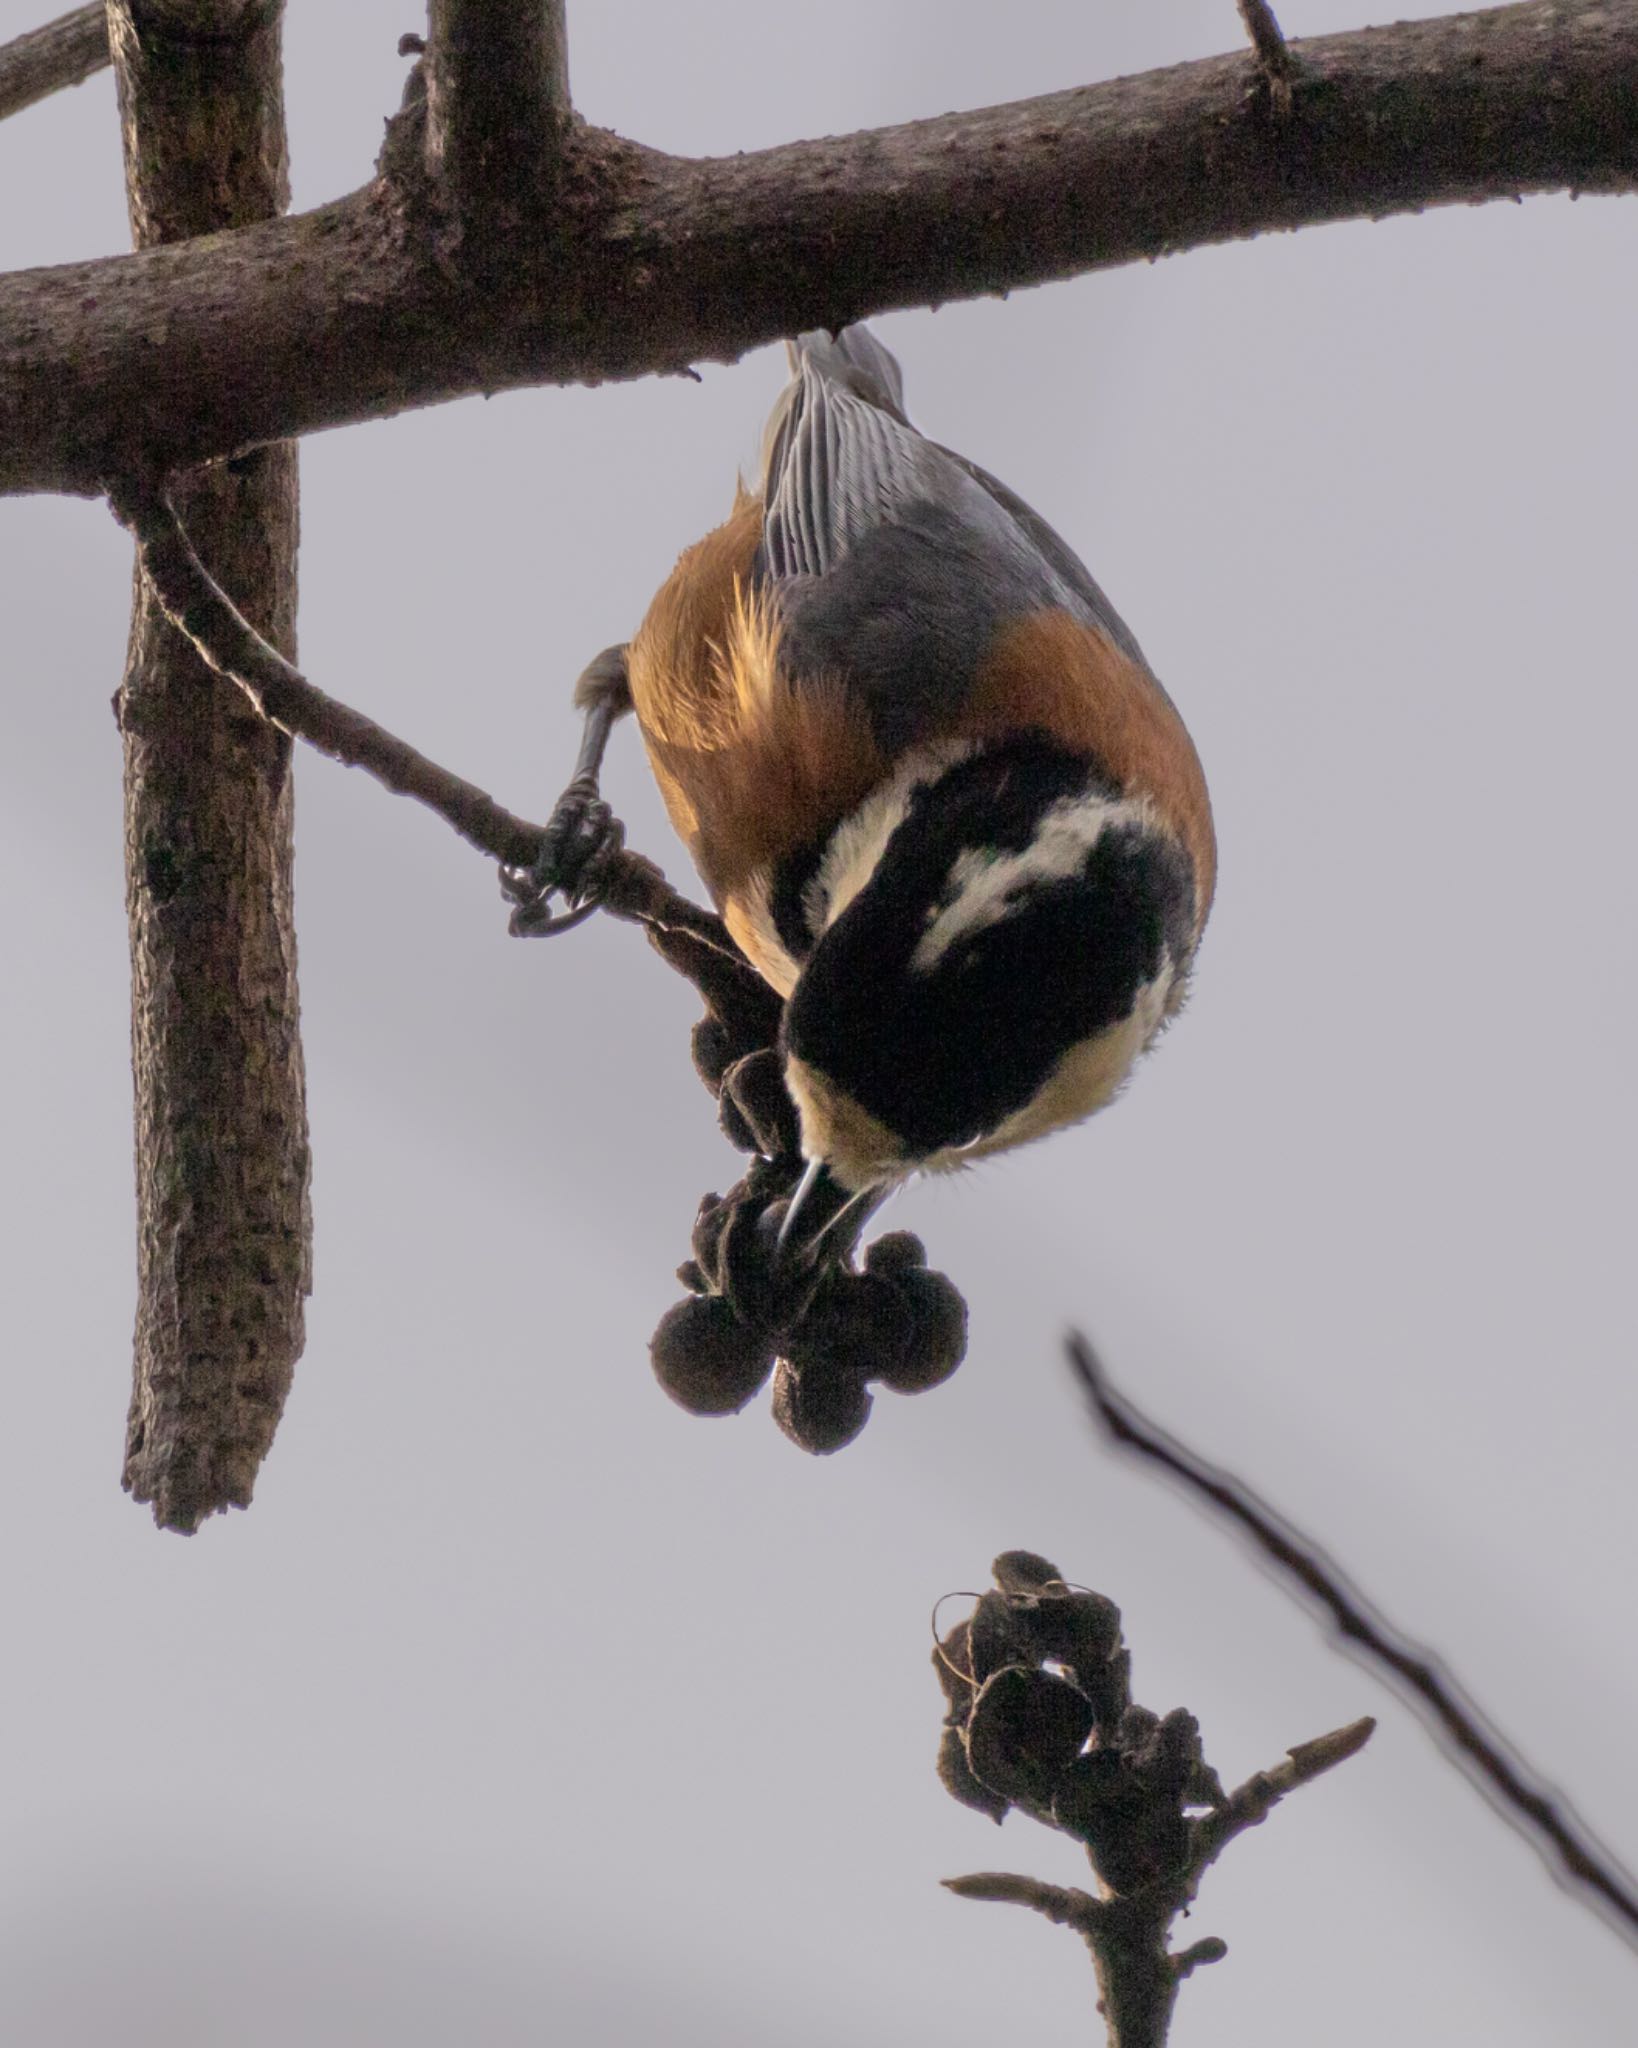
[
  {"x": 1588, "y": 1868},
  {"x": 65, "y": 52}
]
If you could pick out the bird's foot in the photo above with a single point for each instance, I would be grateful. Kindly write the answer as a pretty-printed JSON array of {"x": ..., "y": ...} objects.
[{"x": 583, "y": 837}]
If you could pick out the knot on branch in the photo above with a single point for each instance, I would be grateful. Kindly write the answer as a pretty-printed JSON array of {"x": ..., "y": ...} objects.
[{"x": 826, "y": 1334}]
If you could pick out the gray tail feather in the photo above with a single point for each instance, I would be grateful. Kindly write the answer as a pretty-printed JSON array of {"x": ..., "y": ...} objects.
[
  {"x": 853, "y": 359},
  {"x": 856, "y": 359}
]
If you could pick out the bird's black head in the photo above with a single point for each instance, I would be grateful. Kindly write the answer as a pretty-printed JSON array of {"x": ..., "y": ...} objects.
[{"x": 997, "y": 942}]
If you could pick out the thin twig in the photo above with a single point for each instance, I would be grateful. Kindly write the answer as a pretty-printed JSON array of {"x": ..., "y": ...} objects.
[
  {"x": 1541, "y": 1814},
  {"x": 1273, "y": 53},
  {"x": 1062, "y": 1904},
  {"x": 1251, "y": 1803},
  {"x": 198, "y": 607},
  {"x": 65, "y": 52}
]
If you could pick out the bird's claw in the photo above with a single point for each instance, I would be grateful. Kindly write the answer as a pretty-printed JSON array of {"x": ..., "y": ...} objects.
[{"x": 580, "y": 843}]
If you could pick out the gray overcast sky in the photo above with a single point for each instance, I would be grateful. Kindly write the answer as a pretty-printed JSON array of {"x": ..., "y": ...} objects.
[{"x": 523, "y": 1707}]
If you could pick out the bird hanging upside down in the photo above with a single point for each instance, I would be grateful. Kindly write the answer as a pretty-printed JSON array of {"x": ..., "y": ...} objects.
[{"x": 940, "y": 799}]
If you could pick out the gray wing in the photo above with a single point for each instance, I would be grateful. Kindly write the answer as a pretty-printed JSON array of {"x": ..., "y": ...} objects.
[{"x": 896, "y": 561}]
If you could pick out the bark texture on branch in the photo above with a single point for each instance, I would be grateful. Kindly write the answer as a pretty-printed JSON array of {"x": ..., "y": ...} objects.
[
  {"x": 65, "y": 52},
  {"x": 179, "y": 355},
  {"x": 224, "y": 1261},
  {"x": 497, "y": 78}
]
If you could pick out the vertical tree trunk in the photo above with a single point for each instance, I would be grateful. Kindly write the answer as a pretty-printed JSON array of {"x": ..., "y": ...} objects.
[{"x": 224, "y": 1239}]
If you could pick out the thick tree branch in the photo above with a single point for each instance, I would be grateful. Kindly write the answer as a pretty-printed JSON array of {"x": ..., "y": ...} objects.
[
  {"x": 1570, "y": 1849},
  {"x": 497, "y": 76},
  {"x": 223, "y": 1223},
  {"x": 65, "y": 52},
  {"x": 179, "y": 355}
]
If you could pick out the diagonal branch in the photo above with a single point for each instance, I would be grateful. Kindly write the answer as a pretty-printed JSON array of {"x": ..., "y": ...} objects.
[
  {"x": 1544, "y": 1817},
  {"x": 66, "y": 51},
  {"x": 177, "y": 356},
  {"x": 200, "y": 609}
]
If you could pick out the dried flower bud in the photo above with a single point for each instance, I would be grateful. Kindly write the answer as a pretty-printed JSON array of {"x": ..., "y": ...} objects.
[
  {"x": 957, "y": 1779},
  {"x": 896, "y": 1252},
  {"x": 1081, "y": 1630},
  {"x": 706, "y": 1358},
  {"x": 710, "y": 1220},
  {"x": 1023, "y": 1571},
  {"x": 733, "y": 1123},
  {"x": 997, "y": 1637},
  {"x": 819, "y": 1411},
  {"x": 856, "y": 1323},
  {"x": 713, "y": 1048},
  {"x": 952, "y": 1661},
  {"x": 1025, "y": 1731},
  {"x": 757, "y": 1085},
  {"x": 935, "y": 1340}
]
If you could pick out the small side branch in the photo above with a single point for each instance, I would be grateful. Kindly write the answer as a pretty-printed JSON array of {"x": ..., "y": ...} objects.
[
  {"x": 497, "y": 110},
  {"x": 1062, "y": 1904},
  {"x": 1273, "y": 53},
  {"x": 1251, "y": 1803},
  {"x": 1572, "y": 1852},
  {"x": 65, "y": 52}
]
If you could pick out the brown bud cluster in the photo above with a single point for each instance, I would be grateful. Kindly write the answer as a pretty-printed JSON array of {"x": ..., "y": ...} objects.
[
  {"x": 827, "y": 1334},
  {"x": 1039, "y": 1715}
]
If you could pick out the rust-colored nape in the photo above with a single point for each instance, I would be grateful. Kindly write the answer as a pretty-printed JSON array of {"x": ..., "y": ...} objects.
[{"x": 1054, "y": 672}]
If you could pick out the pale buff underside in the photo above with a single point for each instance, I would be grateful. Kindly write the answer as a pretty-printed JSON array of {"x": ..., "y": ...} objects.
[{"x": 862, "y": 1152}]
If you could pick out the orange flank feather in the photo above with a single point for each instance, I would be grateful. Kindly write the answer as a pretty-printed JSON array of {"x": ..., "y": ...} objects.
[{"x": 750, "y": 767}]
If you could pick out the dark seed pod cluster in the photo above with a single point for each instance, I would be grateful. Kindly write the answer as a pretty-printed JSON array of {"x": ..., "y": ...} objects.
[
  {"x": 826, "y": 1337},
  {"x": 1039, "y": 1715}
]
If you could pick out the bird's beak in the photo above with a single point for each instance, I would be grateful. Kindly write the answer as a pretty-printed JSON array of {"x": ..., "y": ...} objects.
[{"x": 821, "y": 1210}]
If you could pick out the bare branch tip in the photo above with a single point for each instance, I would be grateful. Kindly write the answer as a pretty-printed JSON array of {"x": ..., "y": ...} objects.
[
  {"x": 1325, "y": 1752},
  {"x": 1212, "y": 1949},
  {"x": 1061, "y": 1904}
]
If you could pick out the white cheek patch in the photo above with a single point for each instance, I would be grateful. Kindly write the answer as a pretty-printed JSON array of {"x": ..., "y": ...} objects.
[
  {"x": 850, "y": 859},
  {"x": 858, "y": 843},
  {"x": 984, "y": 883}
]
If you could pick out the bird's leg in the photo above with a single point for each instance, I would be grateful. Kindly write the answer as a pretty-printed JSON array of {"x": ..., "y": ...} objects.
[{"x": 582, "y": 834}]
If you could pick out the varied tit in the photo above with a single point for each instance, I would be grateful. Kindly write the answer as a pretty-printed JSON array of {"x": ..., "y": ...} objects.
[{"x": 938, "y": 795}]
